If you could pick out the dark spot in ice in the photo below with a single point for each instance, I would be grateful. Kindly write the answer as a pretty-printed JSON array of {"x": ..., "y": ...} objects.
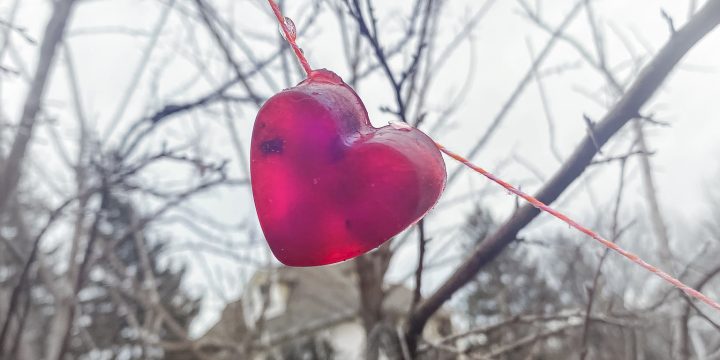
[
  {"x": 347, "y": 223},
  {"x": 274, "y": 146},
  {"x": 337, "y": 150}
]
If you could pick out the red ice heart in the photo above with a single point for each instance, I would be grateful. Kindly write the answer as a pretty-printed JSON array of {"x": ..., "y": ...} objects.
[{"x": 327, "y": 185}]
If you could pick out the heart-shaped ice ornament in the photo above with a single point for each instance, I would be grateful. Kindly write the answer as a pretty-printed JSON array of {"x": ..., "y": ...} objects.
[{"x": 327, "y": 185}]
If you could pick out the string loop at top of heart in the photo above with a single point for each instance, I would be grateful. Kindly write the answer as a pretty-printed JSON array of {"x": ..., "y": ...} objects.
[{"x": 289, "y": 32}]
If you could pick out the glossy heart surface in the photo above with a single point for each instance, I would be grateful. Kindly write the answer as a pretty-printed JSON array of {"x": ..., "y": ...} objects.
[{"x": 327, "y": 185}]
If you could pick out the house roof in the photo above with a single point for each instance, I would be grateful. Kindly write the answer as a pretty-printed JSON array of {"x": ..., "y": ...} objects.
[
  {"x": 323, "y": 295},
  {"x": 317, "y": 297}
]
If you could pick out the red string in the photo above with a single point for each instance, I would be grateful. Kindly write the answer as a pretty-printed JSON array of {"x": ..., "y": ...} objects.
[
  {"x": 607, "y": 243},
  {"x": 290, "y": 37}
]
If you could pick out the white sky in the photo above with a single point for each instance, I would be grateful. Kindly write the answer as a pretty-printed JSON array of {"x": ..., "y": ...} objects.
[{"x": 686, "y": 153}]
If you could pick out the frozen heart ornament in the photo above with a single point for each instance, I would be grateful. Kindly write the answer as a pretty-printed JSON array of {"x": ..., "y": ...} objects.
[{"x": 327, "y": 185}]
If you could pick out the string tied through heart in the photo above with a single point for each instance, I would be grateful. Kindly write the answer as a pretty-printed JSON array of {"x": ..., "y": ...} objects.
[{"x": 290, "y": 36}]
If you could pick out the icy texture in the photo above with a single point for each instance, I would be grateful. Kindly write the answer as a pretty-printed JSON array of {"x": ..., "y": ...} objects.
[{"x": 327, "y": 185}]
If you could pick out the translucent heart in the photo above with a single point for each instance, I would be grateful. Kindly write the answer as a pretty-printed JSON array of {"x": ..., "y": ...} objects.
[{"x": 327, "y": 185}]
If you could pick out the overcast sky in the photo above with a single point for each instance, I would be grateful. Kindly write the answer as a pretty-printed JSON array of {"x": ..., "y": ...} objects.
[{"x": 686, "y": 155}]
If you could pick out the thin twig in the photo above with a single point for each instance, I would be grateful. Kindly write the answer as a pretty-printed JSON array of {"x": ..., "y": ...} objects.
[
  {"x": 417, "y": 293},
  {"x": 139, "y": 70},
  {"x": 26, "y": 269},
  {"x": 203, "y": 9},
  {"x": 519, "y": 88},
  {"x": 545, "y": 104},
  {"x": 592, "y": 290}
]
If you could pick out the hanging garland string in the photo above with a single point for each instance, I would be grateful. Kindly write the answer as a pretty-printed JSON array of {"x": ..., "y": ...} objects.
[
  {"x": 564, "y": 218},
  {"x": 288, "y": 29}
]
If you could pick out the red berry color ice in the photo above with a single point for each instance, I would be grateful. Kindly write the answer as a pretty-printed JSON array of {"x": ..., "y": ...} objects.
[{"x": 327, "y": 185}]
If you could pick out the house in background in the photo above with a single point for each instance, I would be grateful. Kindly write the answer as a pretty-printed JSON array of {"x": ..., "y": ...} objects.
[{"x": 308, "y": 313}]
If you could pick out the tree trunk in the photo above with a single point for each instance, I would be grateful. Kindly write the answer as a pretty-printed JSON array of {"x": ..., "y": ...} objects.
[
  {"x": 371, "y": 270},
  {"x": 54, "y": 31}
]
